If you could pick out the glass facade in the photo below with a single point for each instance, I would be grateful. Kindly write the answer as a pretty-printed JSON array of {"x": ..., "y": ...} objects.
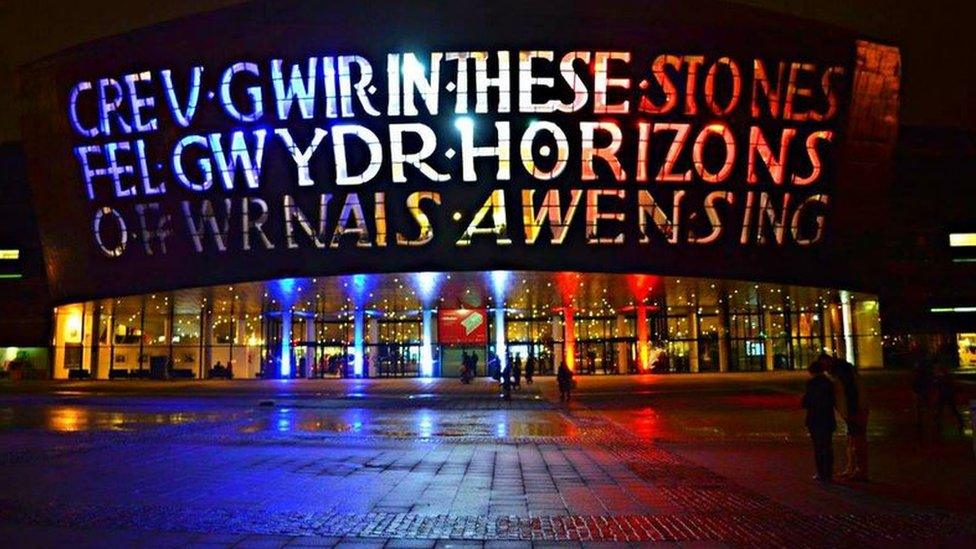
[{"x": 680, "y": 325}]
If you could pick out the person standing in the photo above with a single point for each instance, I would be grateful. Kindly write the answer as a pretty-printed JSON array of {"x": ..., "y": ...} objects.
[
  {"x": 945, "y": 397},
  {"x": 517, "y": 370},
  {"x": 851, "y": 404},
  {"x": 529, "y": 368},
  {"x": 507, "y": 383},
  {"x": 818, "y": 400},
  {"x": 474, "y": 365},
  {"x": 564, "y": 377}
]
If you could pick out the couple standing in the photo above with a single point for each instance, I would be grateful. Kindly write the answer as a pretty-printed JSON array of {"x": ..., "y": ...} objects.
[{"x": 835, "y": 385}]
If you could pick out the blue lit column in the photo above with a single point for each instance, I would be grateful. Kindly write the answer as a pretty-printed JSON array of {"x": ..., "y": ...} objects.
[
  {"x": 358, "y": 341},
  {"x": 286, "y": 343},
  {"x": 500, "y": 348},
  {"x": 426, "y": 343}
]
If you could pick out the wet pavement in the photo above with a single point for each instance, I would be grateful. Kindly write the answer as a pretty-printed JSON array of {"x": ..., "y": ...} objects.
[{"x": 715, "y": 460}]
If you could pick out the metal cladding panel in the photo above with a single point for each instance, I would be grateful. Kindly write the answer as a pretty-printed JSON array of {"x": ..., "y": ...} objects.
[{"x": 695, "y": 103}]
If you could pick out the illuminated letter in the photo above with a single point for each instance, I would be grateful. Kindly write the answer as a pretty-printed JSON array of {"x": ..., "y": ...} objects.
[
  {"x": 768, "y": 213},
  {"x": 117, "y": 171},
  {"x": 248, "y": 224},
  {"x": 301, "y": 157},
  {"x": 580, "y": 93},
  {"x": 482, "y": 82},
  {"x": 123, "y": 232},
  {"x": 207, "y": 219},
  {"x": 527, "y": 81},
  {"x": 161, "y": 232},
  {"x": 666, "y": 173},
  {"x": 594, "y": 215},
  {"x": 298, "y": 89},
  {"x": 795, "y": 227},
  {"x": 137, "y": 102},
  {"x": 87, "y": 172},
  {"x": 183, "y": 117},
  {"x": 428, "y": 144},
  {"x": 496, "y": 205},
  {"x": 549, "y": 209},
  {"x": 710, "y": 87},
  {"x": 426, "y": 232},
  {"x": 713, "y": 218},
  {"x": 646, "y": 205},
  {"x": 111, "y": 105},
  {"x": 694, "y": 61},
  {"x": 294, "y": 214},
  {"x": 698, "y": 152},
  {"x": 601, "y": 83},
  {"x": 469, "y": 152},
  {"x": 562, "y": 150},
  {"x": 206, "y": 168},
  {"x": 608, "y": 153},
  {"x": 240, "y": 156},
  {"x": 794, "y": 89},
  {"x": 758, "y": 144},
  {"x": 413, "y": 79},
  {"x": 814, "y": 156},
  {"x": 670, "y": 91},
  {"x": 372, "y": 142},
  {"x": 761, "y": 82},
  {"x": 73, "y": 110},
  {"x": 362, "y": 85},
  {"x": 253, "y": 92},
  {"x": 351, "y": 208}
]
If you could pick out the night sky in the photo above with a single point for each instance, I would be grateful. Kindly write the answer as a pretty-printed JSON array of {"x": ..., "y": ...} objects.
[{"x": 937, "y": 40}]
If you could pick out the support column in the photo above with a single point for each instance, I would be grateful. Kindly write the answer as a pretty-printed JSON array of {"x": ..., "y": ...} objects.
[
  {"x": 310, "y": 337},
  {"x": 206, "y": 338},
  {"x": 96, "y": 343},
  {"x": 358, "y": 341},
  {"x": 643, "y": 345},
  {"x": 724, "y": 348},
  {"x": 557, "y": 346},
  {"x": 285, "y": 350},
  {"x": 847, "y": 325},
  {"x": 373, "y": 331},
  {"x": 693, "y": 361},
  {"x": 622, "y": 348},
  {"x": 769, "y": 342},
  {"x": 427, "y": 344},
  {"x": 501, "y": 349},
  {"x": 569, "y": 338}
]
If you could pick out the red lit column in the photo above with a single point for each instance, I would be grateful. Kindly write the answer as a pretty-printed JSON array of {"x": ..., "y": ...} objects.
[
  {"x": 569, "y": 338},
  {"x": 643, "y": 345}
]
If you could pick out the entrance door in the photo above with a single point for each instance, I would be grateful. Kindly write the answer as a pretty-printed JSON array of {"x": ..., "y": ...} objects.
[{"x": 271, "y": 354}]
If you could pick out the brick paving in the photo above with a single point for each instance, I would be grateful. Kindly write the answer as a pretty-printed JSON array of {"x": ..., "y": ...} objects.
[{"x": 323, "y": 470}]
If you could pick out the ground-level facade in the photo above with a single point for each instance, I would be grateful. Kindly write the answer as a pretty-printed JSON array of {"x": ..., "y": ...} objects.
[{"x": 421, "y": 324}]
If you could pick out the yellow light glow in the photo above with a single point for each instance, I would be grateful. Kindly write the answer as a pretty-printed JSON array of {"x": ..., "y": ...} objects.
[
  {"x": 962, "y": 240},
  {"x": 10, "y": 254}
]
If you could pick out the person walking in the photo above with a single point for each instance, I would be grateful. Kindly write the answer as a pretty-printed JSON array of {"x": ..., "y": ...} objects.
[
  {"x": 851, "y": 404},
  {"x": 564, "y": 377},
  {"x": 945, "y": 397},
  {"x": 517, "y": 370},
  {"x": 529, "y": 368},
  {"x": 818, "y": 400}
]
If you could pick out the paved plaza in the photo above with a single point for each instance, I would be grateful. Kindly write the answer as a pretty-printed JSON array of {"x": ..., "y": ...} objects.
[{"x": 707, "y": 460}]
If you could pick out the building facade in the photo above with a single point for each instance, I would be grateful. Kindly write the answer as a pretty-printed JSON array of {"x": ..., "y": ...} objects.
[{"x": 289, "y": 191}]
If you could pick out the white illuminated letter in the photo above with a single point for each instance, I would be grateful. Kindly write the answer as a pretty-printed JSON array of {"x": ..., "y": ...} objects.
[
  {"x": 562, "y": 150},
  {"x": 428, "y": 144},
  {"x": 301, "y": 157},
  {"x": 339, "y": 134},
  {"x": 414, "y": 80},
  {"x": 469, "y": 152},
  {"x": 204, "y": 164},
  {"x": 239, "y": 156},
  {"x": 608, "y": 153},
  {"x": 297, "y": 89}
]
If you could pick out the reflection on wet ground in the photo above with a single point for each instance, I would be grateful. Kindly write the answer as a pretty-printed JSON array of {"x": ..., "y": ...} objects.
[
  {"x": 413, "y": 423},
  {"x": 76, "y": 418}
]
